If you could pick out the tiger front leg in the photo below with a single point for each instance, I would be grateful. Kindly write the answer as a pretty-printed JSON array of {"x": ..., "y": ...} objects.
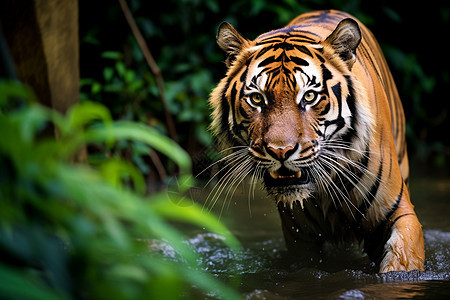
[{"x": 404, "y": 250}]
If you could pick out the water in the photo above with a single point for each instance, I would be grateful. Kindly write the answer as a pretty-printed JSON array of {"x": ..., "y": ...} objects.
[{"x": 265, "y": 270}]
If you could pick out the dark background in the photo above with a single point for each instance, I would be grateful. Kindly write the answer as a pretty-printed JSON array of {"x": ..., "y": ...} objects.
[{"x": 181, "y": 37}]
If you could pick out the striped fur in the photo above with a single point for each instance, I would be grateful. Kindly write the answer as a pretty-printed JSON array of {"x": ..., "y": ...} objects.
[{"x": 313, "y": 110}]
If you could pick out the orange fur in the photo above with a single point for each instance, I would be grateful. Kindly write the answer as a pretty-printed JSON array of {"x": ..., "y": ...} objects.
[{"x": 360, "y": 190}]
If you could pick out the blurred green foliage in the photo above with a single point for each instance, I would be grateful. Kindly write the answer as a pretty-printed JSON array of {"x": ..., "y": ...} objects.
[
  {"x": 181, "y": 35},
  {"x": 84, "y": 231}
]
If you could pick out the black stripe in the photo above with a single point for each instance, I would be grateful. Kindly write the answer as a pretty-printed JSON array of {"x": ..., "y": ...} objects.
[
  {"x": 243, "y": 112},
  {"x": 337, "y": 91},
  {"x": 395, "y": 206},
  {"x": 224, "y": 126},
  {"x": 244, "y": 74},
  {"x": 299, "y": 61},
  {"x": 262, "y": 52},
  {"x": 404, "y": 215},
  {"x": 285, "y": 46},
  {"x": 233, "y": 94},
  {"x": 376, "y": 185},
  {"x": 339, "y": 122},
  {"x": 299, "y": 38},
  {"x": 320, "y": 57},
  {"x": 351, "y": 134},
  {"x": 270, "y": 40},
  {"x": 306, "y": 149},
  {"x": 364, "y": 207},
  {"x": 234, "y": 126},
  {"x": 269, "y": 60},
  {"x": 326, "y": 74},
  {"x": 304, "y": 50}
]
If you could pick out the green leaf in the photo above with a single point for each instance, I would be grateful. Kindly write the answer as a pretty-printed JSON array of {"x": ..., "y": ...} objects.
[
  {"x": 116, "y": 231},
  {"x": 108, "y": 73},
  {"x": 112, "y": 55},
  {"x": 85, "y": 113},
  {"x": 145, "y": 134},
  {"x": 194, "y": 214},
  {"x": 16, "y": 284},
  {"x": 10, "y": 89},
  {"x": 120, "y": 68},
  {"x": 96, "y": 88},
  {"x": 115, "y": 170},
  {"x": 129, "y": 76}
]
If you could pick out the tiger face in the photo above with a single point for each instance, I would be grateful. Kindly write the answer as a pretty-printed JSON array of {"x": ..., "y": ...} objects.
[{"x": 290, "y": 100}]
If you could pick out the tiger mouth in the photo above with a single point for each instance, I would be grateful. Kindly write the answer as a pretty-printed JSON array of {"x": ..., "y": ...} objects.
[{"x": 285, "y": 177}]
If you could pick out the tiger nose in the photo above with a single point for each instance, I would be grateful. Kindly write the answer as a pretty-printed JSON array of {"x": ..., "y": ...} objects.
[{"x": 281, "y": 153}]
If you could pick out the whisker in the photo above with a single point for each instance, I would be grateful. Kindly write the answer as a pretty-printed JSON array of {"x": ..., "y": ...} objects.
[
  {"x": 232, "y": 179},
  {"x": 354, "y": 164},
  {"x": 243, "y": 170},
  {"x": 251, "y": 191},
  {"x": 316, "y": 174},
  {"x": 328, "y": 183},
  {"x": 343, "y": 145},
  {"x": 226, "y": 177},
  {"x": 346, "y": 198},
  {"x": 230, "y": 162},
  {"x": 237, "y": 182},
  {"x": 239, "y": 152},
  {"x": 339, "y": 166}
]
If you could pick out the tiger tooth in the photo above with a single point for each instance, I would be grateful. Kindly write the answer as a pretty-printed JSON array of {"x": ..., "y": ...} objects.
[{"x": 274, "y": 175}]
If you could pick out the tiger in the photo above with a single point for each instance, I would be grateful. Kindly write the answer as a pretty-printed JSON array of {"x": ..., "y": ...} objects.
[{"x": 312, "y": 110}]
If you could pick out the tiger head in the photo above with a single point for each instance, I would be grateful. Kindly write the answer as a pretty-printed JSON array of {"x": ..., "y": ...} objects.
[{"x": 292, "y": 105}]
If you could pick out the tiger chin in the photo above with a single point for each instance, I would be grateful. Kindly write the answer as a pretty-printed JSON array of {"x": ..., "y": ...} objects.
[{"x": 312, "y": 110}]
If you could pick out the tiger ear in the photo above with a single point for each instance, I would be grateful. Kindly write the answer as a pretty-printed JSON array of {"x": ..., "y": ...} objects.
[
  {"x": 345, "y": 39},
  {"x": 230, "y": 41}
]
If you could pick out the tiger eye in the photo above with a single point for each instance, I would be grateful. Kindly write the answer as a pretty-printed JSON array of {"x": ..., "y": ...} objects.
[
  {"x": 256, "y": 98},
  {"x": 309, "y": 96}
]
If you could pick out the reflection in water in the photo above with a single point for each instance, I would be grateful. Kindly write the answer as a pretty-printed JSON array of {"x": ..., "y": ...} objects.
[
  {"x": 386, "y": 291},
  {"x": 265, "y": 270}
]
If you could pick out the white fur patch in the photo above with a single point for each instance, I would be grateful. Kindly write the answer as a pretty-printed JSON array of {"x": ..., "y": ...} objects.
[
  {"x": 389, "y": 250},
  {"x": 289, "y": 200}
]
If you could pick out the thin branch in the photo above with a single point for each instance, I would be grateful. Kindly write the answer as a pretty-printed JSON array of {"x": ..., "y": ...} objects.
[
  {"x": 158, "y": 165},
  {"x": 153, "y": 67}
]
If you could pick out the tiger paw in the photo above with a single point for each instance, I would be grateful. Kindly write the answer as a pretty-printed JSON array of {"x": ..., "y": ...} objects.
[{"x": 404, "y": 250}]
